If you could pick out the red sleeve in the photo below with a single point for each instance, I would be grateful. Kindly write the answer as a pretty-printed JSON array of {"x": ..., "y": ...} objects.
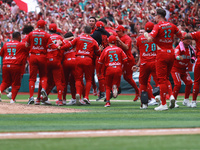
[
  {"x": 66, "y": 45},
  {"x": 124, "y": 57},
  {"x": 177, "y": 51},
  {"x": 28, "y": 39},
  {"x": 128, "y": 42},
  {"x": 154, "y": 32},
  {"x": 97, "y": 50}
]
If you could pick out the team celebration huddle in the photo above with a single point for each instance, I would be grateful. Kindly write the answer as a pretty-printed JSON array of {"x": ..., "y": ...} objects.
[{"x": 103, "y": 48}]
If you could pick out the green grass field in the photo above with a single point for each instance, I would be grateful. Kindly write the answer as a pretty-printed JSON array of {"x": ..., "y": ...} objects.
[{"x": 121, "y": 115}]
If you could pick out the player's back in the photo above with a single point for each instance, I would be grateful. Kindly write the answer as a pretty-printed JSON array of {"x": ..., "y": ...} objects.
[
  {"x": 54, "y": 52},
  {"x": 163, "y": 34},
  {"x": 86, "y": 46},
  {"x": 38, "y": 40},
  {"x": 13, "y": 52},
  {"x": 147, "y": 49},
  {"x": 114, "y": 56}
]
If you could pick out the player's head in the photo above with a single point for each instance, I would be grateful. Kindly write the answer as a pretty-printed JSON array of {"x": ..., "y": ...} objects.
[
  {"x": 100, "y": 24},
  {"x": 41, "y": 24},
  {"x": 27, "y": 29},
  {"x": 161, "y": 13},
  {"x": 53, "y": 28},
  {"x": 87, "y": 29},
  {"x": 149, "y": 26},
  {"x": 112, "y": 40},
  {"x": 186, "y": 40},
  {"x": 104, "y": 21},
  {"x": 92, "y": 22},
  {"x": 141, "y": 32},
  {"x": 120, "y": 30},
  {"x": 16, "y": 36},
  {"x": 69, "y": 36}
]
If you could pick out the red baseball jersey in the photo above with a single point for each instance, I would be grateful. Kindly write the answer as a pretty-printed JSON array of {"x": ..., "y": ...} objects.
[
  {"x": 54, "y": 52},
  {"x": 127, "y": 40},
  {"x": 112, "y": 56},
  {"x": 196, "y": 37},
  {"x": 147, "y": 49},
  {"x": 38, "y": 41},
  {"x": 13, "y": 52},
  {"x": 24, "y": 38},
  {"x": 163, "y": 34},
  {"x": 85, "y": 46},
  {"x": 182, "y": 64},
  {"x": 69, "y": 54}
]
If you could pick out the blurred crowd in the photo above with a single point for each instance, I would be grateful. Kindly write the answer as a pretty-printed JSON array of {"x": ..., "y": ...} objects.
[{"x": 72, "y": 15}]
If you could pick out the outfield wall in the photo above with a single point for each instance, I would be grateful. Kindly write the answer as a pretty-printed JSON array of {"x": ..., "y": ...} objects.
[{"x": 126, "y": 88}]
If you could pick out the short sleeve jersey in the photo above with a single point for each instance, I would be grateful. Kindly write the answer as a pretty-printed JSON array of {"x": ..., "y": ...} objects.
[
  {"x": 182, "y": 64},
  {"x": 85, "y": 46},
  {"x": 112, "y": 56},
  {"x": 196, "y": 37},
  {"x": 54, "y": 52},
  {"x": 163, "y": 34},
  {"x": 38, "y": 41},
  {"x": 70, "y": 53},
  {"x": 13, "y": 52},
  {"x": 127, "y": 40},
  {"x": 147, "y": 50}
]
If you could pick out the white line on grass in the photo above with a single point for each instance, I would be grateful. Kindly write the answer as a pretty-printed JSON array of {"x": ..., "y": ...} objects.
[{"x": 100, "y": 133}]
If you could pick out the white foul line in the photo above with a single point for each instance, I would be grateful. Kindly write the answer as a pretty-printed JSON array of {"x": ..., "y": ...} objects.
[{"x": 99, "y": 133}]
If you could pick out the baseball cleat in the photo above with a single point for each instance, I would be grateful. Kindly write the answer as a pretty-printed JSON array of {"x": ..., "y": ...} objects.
[
  {"x": 31, "y": 100},
  {"x": 71, "y": 102},
  {"x": 12, "y": 101},
  {"x": 101, "y": 96},
  {"x": 37, "y": 102},
  {"x": 43, "y": 93},
  {"x": 172, "y": 102},
  {"x": 161, "y": 107},
  {"x": 59, "y": 102},
  {"x": 107, "y": 104},
  {"x": 86, "y": 101},
  {"x": 9, "y": 95}
]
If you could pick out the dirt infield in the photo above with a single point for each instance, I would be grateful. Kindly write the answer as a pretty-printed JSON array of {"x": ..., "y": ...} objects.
[{"x": 7, "y": 108}]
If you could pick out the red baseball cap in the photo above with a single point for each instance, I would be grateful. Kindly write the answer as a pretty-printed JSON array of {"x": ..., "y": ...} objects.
[
  {"x": 149, "y": 26},
  {"x": 99, "y": 24},
  {"x": 41, "y": 23},
  {"x": 112, "y": 39},
  {"x": 120, "y": 28},
  {"x": 53, "y": 27}
]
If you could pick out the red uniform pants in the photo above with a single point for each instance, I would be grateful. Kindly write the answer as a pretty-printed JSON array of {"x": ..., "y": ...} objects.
[
  {"x": 113, "y": 77},
  {"x": 165, "y": 60},
  {"x": 37, "y": 62},
  {"x": 11, "y": 77},
  {"x": 178, "y": 75},
  {"x": 83, "y": 67}
]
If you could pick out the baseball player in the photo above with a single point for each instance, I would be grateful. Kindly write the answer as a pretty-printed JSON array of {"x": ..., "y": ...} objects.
[
  {"x": 147, "y": 64},
  {"x": 163, "y": 34},
  {"x": 179, "y": 70},
  {"x": 125, "y": 43},
  {"x": 112, "y": 58},
  {"x": 13, "y": 53},
  {"x": 38, "y": 40},
  {"x": 101, "y": 36},
  {"x": 86, "y": 47}
]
